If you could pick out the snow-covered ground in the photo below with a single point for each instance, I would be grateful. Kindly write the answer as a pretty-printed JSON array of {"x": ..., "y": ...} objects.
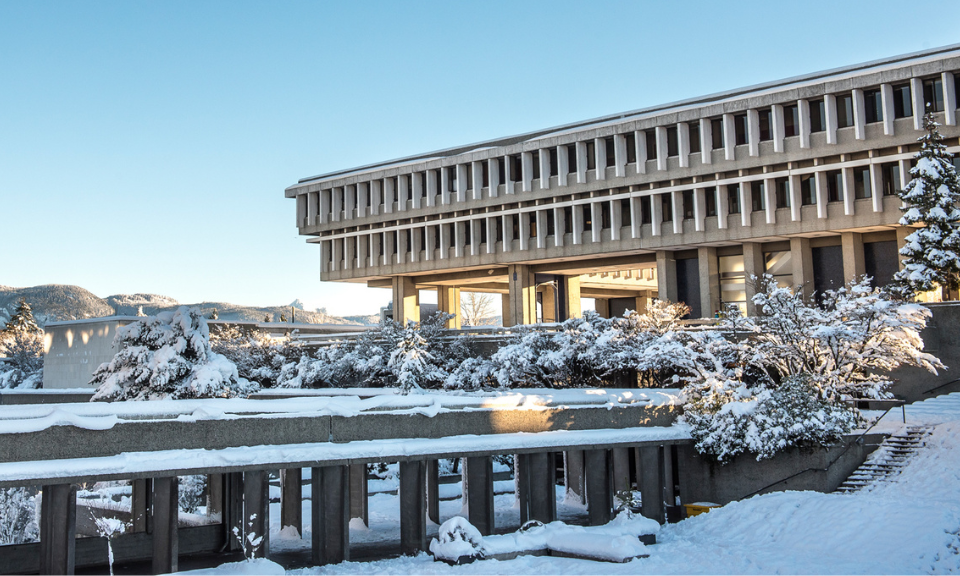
[{"x": 908, "y": 525}]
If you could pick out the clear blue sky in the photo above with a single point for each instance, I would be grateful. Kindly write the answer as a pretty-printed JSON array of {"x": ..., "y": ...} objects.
[{"x": 145, "y": 146}]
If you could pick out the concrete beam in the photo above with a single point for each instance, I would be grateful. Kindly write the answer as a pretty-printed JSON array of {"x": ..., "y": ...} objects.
[{"x": 597, "y": 265}]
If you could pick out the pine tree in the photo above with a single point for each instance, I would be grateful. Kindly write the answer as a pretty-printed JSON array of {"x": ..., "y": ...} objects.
[
  {"x": 22, "y": 321},
  {"x": 933, "y": 251},
  {"x": 214, "y": 315}
]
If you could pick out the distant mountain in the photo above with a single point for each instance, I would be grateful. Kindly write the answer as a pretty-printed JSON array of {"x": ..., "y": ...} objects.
[
  {"x": 56, "y": 302},
  {"x": 297, "y": 304}
]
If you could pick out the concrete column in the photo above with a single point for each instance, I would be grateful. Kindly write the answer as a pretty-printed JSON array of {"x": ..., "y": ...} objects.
[
  {"x": 389, "y": 241},
  {"x": 573, "y": 475},
  {"x": 600, "y": 157},
  {"x": 413, "y": 525},
  {"x": 462, "y": 183},
  {"x": 581, "y": 162},
  {"x": 753, "y": 266},
  {"x": 166, "y": 511},
  {"x": 256, "y": 510},
  {"x": 349, "y": 201},
  {"x": 477, "y": 169},
  {"x": 753, "y": 132},
  {"x": 363, "y": 251},
  {"x": 415, "y": 244},
  {"x": 803, "y": 111},
  {"x": 640, "y": 304},
  {"x": 830, "y": 116},
  {"x": 563, "y": 165},
  {"x": 578, "y": 223},
  {"x": 445, "y": 240},
  {"x": 559, "y": 227},
  {"x": 848, "y": 193},
  {"x": 729, "y": 137},
  {"x": 432, "y": 187},
  {"x": 232, "y": 515},
  {"x": 597, "y": 222},
  {"x": 661, "y": 139},
  {"x": 524, "y": 230},
  {"x": 876, "y": 187},
  {"x": 709, "y": 269},
  {"x": 620, "y": 155},
  {"x": 330, "y": 512},
  {"x": 621, "y": 469},
  {"x": 480, "y": 493},
  {"x": 656, "y": 214},
  {"x": 526, "y": 164},
  {"x": 291, "y": 511},
  {"x": 919, "y": 106},
  {"x": 541, "y": 229},
  {"x": 820, "y": 187},
  {"x": 389, "y": 195},
  {"x": 58, "y": 529},
  {"x": 616, "y": 219},
  {"x": 795, "y": 204},
  {"x": 433, "y": 490},
  {"x": 598, "y": 486},
  {"x": 635, "y": 217},
  {"x": 778, "y": 127},
  {"x": 544, "y": 168},
  {"x": 445, "y": 184},
  {"x": 683, "y": 144},
  {"x": 337, "y": 204},
  {"x": 459, "y": 238},
  {"x": 491, "y": 224},
  {"x": 537, "y": 487},
  {"x": 666, "y": 276},
  {"x": 746, "y": 203},
  {"x": 406, "y": 300},
  {"x": 676, "y": 203},
  {"x": 640, "y": 138},
  {"x": 493, "y": 170},
  {"x": 669, "y": 485},
  {"x": 886, "y": 102},
  {"x": 770, "y": 199},
  {"x": 523, "y": 294},
  {"x": 548, "y": 302},
  {"x": 448, "y": 300},
  {"x": 506, "y": 223},
  {"x": 475, "y": 236},
  {"x": 853, "y": 263},
  {"x": 602, "y": 307},
  {"x": 359, "y": 506},
  {"x": 706, "y": 141},
  {"x": 700, "y": 209},
  {"x": 723, "y": 206},
  {"x": 506, "y": 316},
  {"x": 571, "y": 298},
  {"x": 949, "y": 99},
  {"x": 337, "y": 263},
  {"x": 141, "y": 494},
  {"x": 417, "y": 190},
  {"x": 650, "y": 479},
  {"x": 802, "y": 260},
  {"x": 349, "y": 253},
  {"x": 859, "y": 115}
]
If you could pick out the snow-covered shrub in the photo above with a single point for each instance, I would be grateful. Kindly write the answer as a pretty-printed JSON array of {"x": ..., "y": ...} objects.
[
  {"x": 167, "y": 356},
  {"x": 457, "y": 542},
  {"x": 18, "y": 516},
  {"x": 735, "y": 418},
  {"x": 259, "y": 357},
  {"x": 21, "y": 342},
  {"x": 192, "y": 492}
]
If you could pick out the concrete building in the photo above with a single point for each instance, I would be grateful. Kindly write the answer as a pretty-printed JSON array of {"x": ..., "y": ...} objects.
[{"x": 683, "y": 201}]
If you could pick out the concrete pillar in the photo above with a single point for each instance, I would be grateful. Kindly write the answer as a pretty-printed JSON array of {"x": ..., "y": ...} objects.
[
  {"x": 886, "y": 100},
  {"x": 803, "y": 110},
  {"x": 830, "y": 117},
  {"x": 433, "y": 490},
  {"x": 709, "y": 270},
  {"x": 506, "y": 317},
  {"x": 166, "y": 511},
  {"x": 949, "y": 99},
  {"x": 559, "y": 227},
  {"x": 448, "y": 300},
  {"x": 389, "y": 195},
  {"x": 598, "y": 486},
  {"x": 256, "y": 510},
  {"x": 291, "y": 510},
  {"x": 699, "y": 209},
  {"x": 853, "y": 263},
  {"x": 330, "y": 512},
  {"x": 666, "y": 276},
  {"x": 413, "y": 526},
  {"x": 661, "y": 140},
  {"x": 770, "y": 199},
  {"x": 859, "y": 115},
  {"x": 676, "y": 202},
  {"x": 640, "y": 304},
  {"x": 683, "y": 143},
  {"x": 640, "y": 137},
  {"x": 820, "y": 188},
  {"x": 570, "y": 295},
  {"x": 526, "y": 165},
  {"x": 581, "y": 162},
  {"x": 602, "y": 307},
  {"x": 753, "y": 132},
  {"x": 600, "y": 157},
  {"x": 480, "y": 493},
  {"x": 141, "y": 495},
  {"x": 746, "y": 204},
  {"x": 621, "y": 469},
  {"x": 432, "y": 176},
  {"x": 729, "y": 137},
  {"x": 669, "y": 482},
  {"x": 523, "y": 294},
  {"x": 802, "y": 259},
  {"x": 493, "y": 169},
  {"x": 573, "y": 477},
  {"x": 753, "y": 266},
  {"x": 406, "y": 300},
  {"x": 358, "y": 492},
  {"x": 548, "y": 302},
  {"x": 778, "y": 127},
  {"x": 650, "y": 481},
  {"x": 795, "y": 204},
  {"x": 849, "y": 198},
  {"x": 537, "y": 487},
  {"x": 706, "y": 141},
  {"x": 58, "y": 529},
  {"x": 919, "y": 106}
]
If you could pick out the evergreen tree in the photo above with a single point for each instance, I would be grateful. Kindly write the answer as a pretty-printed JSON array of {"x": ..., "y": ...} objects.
[
  {"x": 214, "y": 315},
  {"x": 22, "y": 321},
  {"x": 933, "y": 251},
  {"x": 283, "y": 317}
]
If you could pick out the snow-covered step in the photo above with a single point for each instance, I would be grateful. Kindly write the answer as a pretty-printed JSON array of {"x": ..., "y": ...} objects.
[{"x": 887, "y": 460}]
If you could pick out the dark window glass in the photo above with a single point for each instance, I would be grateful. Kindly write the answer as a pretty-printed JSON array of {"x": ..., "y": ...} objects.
[
  {"x": 740, "y": 127},
  {"x": 646, "y": 214},
  {"x": 535, "y": 160},
  {"x": 483, "y": 232},
  {"x": 827, "y": 269},
  {"x": 631, "y": 144},
  {"x": 818, "y": 116},
  {"x": 591, "y": 155},
  {"x": 651, "y": 137},
  {"x": 572, "y": 158},
  {"x": 766, "y": 124},
  {"x": 498, "y": 229},
  {"x": 733, "y": 199},
  {"x": 687, "y": 204},
  {"x": 783, "y": 192},
  {"x": 553, "y": 162},
  {"x": 551, "y": 225},
  {"x": 568, "y": 220},
  {"x": 380, "y": 246},
  {"x": 694, "y": 137},
  {"x": 666, "y": 205},
  {"x": 891, "y": 178},
  {"x": 485, "y": 174},
  {"x": 808, "y": 190},
  {"x": 716, "y": 128},
  {"x": 467, "y": 229},
  {"x": 532, "y": 219},
  {"x": 587, "y": 218},
  {"x": 611, "y": 152},
  {"x": 861, "y": 182},
  {"x": 673, "y": 146},
  {"x": 711, "y": 201},
  {"x": 873, "y": 106},
  {"x": 834, "y": 186},
  {"x": 881, "y": 261},
  {"x": 933, "y": 95},
  {"x": 516, "y": 168},
  {"x": 791, "y": 120},
  {"x": 688, "y": 285},
  {"x": 604, "y": 215},
  {"x": 469, "y": 182},
  {"x": 625, "y": 219},
  {"x": 758, "y": 198},
  {"x": 844, "y": 111},
  {"x": 436, "y": 236},
  {"x": 902, "y": 103},
  {"x": 501, "y": 170}
]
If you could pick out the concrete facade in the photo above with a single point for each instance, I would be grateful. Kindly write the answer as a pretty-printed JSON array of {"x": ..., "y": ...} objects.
[{"x": 678, "y": 201}]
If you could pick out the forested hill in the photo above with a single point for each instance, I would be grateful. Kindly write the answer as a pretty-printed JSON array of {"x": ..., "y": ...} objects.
[{"x": 55, "y": 302}]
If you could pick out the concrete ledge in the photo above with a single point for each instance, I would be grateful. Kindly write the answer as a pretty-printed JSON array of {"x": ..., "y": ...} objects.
[{"x": 19, "y": 397}]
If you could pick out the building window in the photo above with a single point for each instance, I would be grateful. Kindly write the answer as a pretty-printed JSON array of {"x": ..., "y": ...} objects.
[
  {"x": 436, "y": 236},
  {"x": 551, "y": 225},
  {"x": 501, "y": 169},
  {"x": 758, "y": 200},
  {"x": 572, "y": 158},
  {"x": 818, "y": 115},
  {"x": 716, "y": 128},
  {"x": 646, "y": 213},
  {"x": 451, "y": 178},
  {"x": 740, "y": 128},
  {"x": 532, "y": 219},
  {"x": 630, "y": 141},
  {"x": 467, "y": 229},
  {"x": 733, "y": 199},
  {"x": 554, "y": 167},
  {"x": 710, "y": 204},
  {"x": 733, "y": 282},
  {"x": 611, "y": 152},
  {"x": 651, "y": 137},
  {"x": 694, "y": 129},
  {"x": 666, "y": 205},
  {"x": 808, "y": 190},
  {"x": 568, "y": 220},
  {"x": 535, "y": 160},
  {"x": 782, "y": 192},
  {"x": 834, "y": 186},
  {"x": 892, "y": 184},
  {"x": 673, "y": 146},
  {"x": 514, "y": 220},
  {"x": 902, "y": 103},
  {"x": 766, "y": 124},
  {"x": 861, "y": 182},
  {"x": 485, "y": 174},
  {"x": 687, "y": 204},
  {"x": 873, "y": 106},
  {"x": 591, "y": 155},
  {"x": 933, "y": 95},
  {"x": 779, "y": 265},
  {"x": 625, "y": 218},
  {"x": 791, "y": 120},
  {"x": 604, "y": 215},
  {"x": 845, "y": 111},
  {"x": 516, "y": 168},
  {"x": 587, "y": 218}
]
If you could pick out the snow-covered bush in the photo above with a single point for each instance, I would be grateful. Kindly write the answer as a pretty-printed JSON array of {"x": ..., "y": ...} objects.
[
  {"x": 167, "y": 356},
  {"x": 18, "y": 516},
  {"x": 192, "y": 492},
  {"x": 259, "y": 357},
  {"x": 21, "y": 342},
  {"x": 457, "y": 542}
]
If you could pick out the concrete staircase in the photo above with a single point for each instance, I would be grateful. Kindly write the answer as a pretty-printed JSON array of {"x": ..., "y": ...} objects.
[{"x": 887, "y": 460}]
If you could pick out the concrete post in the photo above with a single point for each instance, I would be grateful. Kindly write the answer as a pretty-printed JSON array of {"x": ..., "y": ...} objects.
[
  {"x": 358, "y": 492},
  {"x": 669, "y": 484},
  {"x": 706, "y": 141},
  {"x": 753, "y": 266},
  {"x": 598, "y": 486},
  {"x": 166, "y": 511},
  {"x": 919, "y": 106},
  {"x": 413, "y": 526},
  {"x": 853, "y": 263},
  {"x": 549, "y": 302},
  {"x": 602, "y": 307},
  {"x": 330, "y": 511},
  {"x": 58, "y": 529},
  {"x": 291, "y": 511},
  {"x": 433, "y": 490},
  {"x": 859, "y": 115},
  {"x": 803, "y": 109},
  {"x": 709, "y": 270},
  {"x": 523, "y": 294},
  {"x": 141, "y": 494},
  {"x": 571, "y": 298},
  {"x": 573, "y": 477},
  {"x": 537, "y": 481},
  {"x": 621, "y": 469},
  {"x": 830, "y": 117},
  {"x": 448, "y": 300},
  {"x": 666, "y": 276},
  {"x": 406, "y": 300},
  {"x": 480, "y": 493},
  {"x": 683, "y": 144},
  {"x": 802, "y": 259},
  {"x": 886, "y": 101},
  {"x": 506, "y": 316},
  {"x": 256, "y": 510},
  {"x": 650, "y": 479}
]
